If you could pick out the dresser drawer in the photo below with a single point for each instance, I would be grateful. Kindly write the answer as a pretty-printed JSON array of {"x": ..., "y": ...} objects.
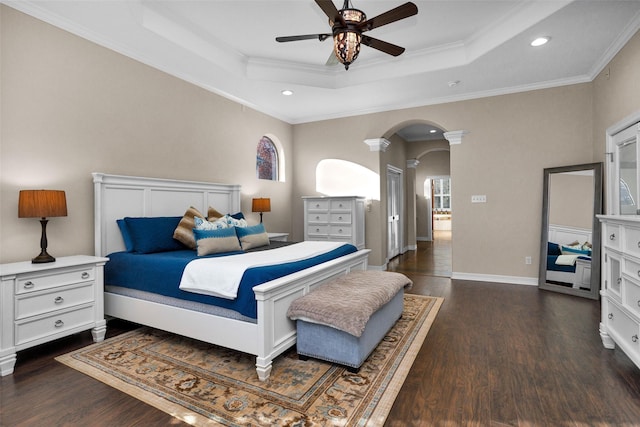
[
  {"x": 321, "y": 217},
  {"x": 340, "y": 218},
  {"x": 318, "y": 205},
  {"x": 337, "y": 205},
  {"x": 59, "y": 322},
  {"x": 632, "y": 297},
  {"x": 623, "y": 328},
  {"x": 51, "y": 279},
  {"x": 32, "y": 304},
  {"x": 611, "y": 236},
  {"x": 632, "y": 269},
  {"x": 340, "y": 231},
  {"x": 632, "y": 241},
  {"x": 317, "y": 230}
]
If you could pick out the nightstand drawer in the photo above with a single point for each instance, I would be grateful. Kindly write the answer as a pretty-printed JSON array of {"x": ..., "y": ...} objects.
[
  {"x": 33, "y": 304},
  {"x": 43, "y": 327},
  {"x": 625, "y": 328},
  {"x": 38, "y": 282},
  {"x": 632, "y": 269}
]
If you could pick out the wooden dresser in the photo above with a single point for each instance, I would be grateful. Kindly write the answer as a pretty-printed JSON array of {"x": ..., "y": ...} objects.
[
  {"x": 43, "y": 302},
  {"x": 339, "y": 219}
]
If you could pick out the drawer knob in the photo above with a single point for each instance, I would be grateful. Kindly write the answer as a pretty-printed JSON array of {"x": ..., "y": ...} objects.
[
  {"x": 317, "y": 217},
  {"x": 639, "y": 303},
  {"x": 340, "y": 231},
  {"x": 29, "y": 285},
  {"x": 59, "y": 324},
  {"x": 639, "y": 244},
  {"x": 317, "y": 205},
  {"x": 612, "y": 236},
  {"x": 85, "y": 275},
  {"x": 317, "y": 230},
  {"x": 340, "y": 218},
  {"x": 619, "y": 280},
  {"x": 634, "y": 338},
  {"x": 610, "y": 316},
  {"x": 58, "y": 300}
]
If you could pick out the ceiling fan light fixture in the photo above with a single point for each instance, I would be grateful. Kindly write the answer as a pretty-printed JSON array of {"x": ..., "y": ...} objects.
[{"x": 346, "y": 46}]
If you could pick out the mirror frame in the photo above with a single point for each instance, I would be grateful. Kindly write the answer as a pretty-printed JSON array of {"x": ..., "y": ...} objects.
[{"x": 594, "y": 292}]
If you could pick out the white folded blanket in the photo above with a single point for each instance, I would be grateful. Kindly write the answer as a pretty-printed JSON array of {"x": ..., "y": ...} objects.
[
  {"x": 566, "y": 259},
  {"x": 221, "y": 276}
]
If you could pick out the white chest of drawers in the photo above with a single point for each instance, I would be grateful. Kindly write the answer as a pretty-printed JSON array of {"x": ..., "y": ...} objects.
[
  {"x": 620, "y": 285},
  {"x": 339, "y": 219},
  {"x": 43, "y": 302}
]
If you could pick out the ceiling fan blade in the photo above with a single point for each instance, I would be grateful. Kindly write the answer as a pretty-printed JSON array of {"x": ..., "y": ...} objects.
[
  {"x": 330, "y": 10},
  {"x": 332, "y": 60},
  {"x": 401, "y": 12},
  {"x": 382, "y": 46},
  {"x": 321, "y": 37}
]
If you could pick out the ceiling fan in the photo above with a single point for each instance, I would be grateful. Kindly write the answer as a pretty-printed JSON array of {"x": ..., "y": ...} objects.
[{"x": 348, "y": 24}]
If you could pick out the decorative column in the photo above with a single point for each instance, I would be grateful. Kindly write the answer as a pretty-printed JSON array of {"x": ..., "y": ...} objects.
[{"x": 411, "y": 193}]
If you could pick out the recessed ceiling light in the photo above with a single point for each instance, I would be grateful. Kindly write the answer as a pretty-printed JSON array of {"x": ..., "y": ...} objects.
[
  {"x": 287, "y": 92},
  {"x": 540, "y": 41},
  {"x": 433, "y": 131},
  {"x": 454, "y": 83}
]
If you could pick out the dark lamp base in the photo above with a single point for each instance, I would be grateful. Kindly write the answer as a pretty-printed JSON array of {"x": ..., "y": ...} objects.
[{"x": 42, "y": 258}]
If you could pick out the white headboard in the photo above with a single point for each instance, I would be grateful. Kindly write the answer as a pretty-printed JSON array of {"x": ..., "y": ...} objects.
[
  {"x": 117, "y": 196},
  {"x": 563, "y": 234}
]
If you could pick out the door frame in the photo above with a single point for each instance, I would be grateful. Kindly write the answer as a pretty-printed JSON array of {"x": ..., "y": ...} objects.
[{"x": 392, "y": 170}]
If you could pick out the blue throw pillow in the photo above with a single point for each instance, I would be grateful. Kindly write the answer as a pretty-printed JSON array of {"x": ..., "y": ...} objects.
[
  {"x": 553, "y": 249},
  {"x": 216, "y": 241},
  {"x": 126, "y": 236},
  {"x": 253, "y": 236},
  {"x": 153, "y": 234}
]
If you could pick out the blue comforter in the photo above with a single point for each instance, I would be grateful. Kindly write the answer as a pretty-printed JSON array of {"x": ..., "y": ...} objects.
[{"x": 160, "y": 273}]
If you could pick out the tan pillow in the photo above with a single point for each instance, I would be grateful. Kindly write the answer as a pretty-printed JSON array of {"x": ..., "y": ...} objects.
[
  {"x": 213, "y": 214},
  {"x": 184, "y": 231}
]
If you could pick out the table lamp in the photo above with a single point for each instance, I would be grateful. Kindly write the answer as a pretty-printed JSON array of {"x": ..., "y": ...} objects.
[
  {"x": 261, "y": 205},
  {"x": 42, "y": 204}
]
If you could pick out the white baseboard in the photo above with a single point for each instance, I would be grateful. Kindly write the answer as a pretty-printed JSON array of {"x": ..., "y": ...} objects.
[
  {"x": 514, "y": 280},
  {"x": 424, "y": 239}
]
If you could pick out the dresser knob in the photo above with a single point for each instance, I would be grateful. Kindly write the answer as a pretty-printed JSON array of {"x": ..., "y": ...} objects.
[
  {"x": 340, "y": 231},
  {"x": 58, "y": 300},
  {"x": 612, "y": 236},
  {"x": 340, "y": 204},
  {"x": 638, "y": 244},
  {"x": 85, "y": 275},
  {"x": 317, "y": 230},
  {"x": 610, "y": 316},
  {"x": 29, "y": 285},
  {"x": 619, "y": 280},
  {"x": 59, "y": 324},
  {"x": 639, "y": 303},
  {"x": 317, "y": 217},
  {"x": 634, "y": 338},
  {"x": 340, "y": 218},
  {"x": 317, "y": 205}
]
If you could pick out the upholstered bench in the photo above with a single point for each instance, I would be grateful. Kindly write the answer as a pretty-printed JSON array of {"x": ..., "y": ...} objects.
[{"x": 344, "y": 320}]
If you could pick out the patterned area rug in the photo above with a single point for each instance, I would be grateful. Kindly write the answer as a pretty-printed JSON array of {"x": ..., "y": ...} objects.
[{"x": 203, "y": 384}]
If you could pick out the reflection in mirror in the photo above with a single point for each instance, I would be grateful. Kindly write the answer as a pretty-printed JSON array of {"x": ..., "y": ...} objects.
[
  {"x": 570, "y": 244},
  {"x": 628, "y": 182}
]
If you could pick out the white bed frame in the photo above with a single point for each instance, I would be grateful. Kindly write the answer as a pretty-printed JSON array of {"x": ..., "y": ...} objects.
[
  {"x": 561, "y": 234},
  {"x": 119, "y": 196}
]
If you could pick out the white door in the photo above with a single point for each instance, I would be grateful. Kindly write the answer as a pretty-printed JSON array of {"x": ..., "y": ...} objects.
[{"x": 394, "y": 198}]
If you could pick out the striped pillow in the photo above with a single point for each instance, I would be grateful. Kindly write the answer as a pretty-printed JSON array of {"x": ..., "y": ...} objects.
[{"x": 184, "y": 231}]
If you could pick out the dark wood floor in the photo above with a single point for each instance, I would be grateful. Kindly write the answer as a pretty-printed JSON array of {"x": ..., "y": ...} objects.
[{"x": 497, "y": 355}]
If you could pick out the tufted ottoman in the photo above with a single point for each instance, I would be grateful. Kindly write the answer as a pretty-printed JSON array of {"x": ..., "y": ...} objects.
[{"x": 343, "y": 321}]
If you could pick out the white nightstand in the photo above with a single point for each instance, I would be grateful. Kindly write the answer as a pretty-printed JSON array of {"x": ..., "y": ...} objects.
[
  {"x": 278, "y": 237},
  {"x": 43, "y": 302}
]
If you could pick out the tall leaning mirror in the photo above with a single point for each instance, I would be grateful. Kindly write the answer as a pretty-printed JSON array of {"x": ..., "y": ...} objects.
[{"x": 570, "y": 237}]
